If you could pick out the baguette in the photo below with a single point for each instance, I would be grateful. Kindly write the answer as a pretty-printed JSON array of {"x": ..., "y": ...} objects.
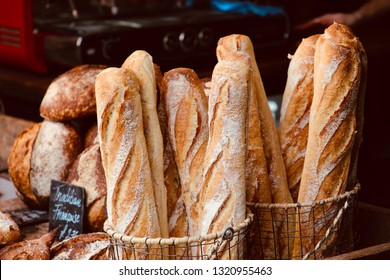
[
  {"x": 295, "y": 111},
  {"x": 130, "y": 203},
  {"x": 227, "y": 49},
  {"x": 186, "y": 109},
  {"x": 338, "y": 69},
  {"x": 177, "y": 215},
  {"x": 142, "y": 65},
  {"x": 222, "y": 196}
]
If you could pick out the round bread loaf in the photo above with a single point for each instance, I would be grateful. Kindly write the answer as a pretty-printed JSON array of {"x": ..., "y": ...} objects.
[
  {"x": 87, "y": 172},
  {"x": 9, "y": 230},
  {"x": 71, "y": 95},
  {"x": 87, "y": 246},
  {"x": 41, "y": 153},
  {"x": 34, "y": 249}
]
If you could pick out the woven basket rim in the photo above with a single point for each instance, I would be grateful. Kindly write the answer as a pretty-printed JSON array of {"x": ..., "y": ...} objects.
[
  {"x": 337, "y": 198},
  {"x": 175, "y": 240}
]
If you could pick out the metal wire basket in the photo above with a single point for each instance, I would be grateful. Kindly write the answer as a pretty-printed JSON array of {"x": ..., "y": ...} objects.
[
  {"x": 229, "y": 244},
  {"x": 315, "y": 230}
]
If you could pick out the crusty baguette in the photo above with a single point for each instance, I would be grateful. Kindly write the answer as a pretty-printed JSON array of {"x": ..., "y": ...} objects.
[
  {"x": 332, "y": 132},
  {"x": 295, "y": 111},
  {"x": 130, "y": 202},
  {"x": 142, "y": 65},
  {"x": 186, "y": 108},
  {"x": 228, "y": 47},
  {"x": 223, "y": 191},
  {"x": 177, "y": 215}
]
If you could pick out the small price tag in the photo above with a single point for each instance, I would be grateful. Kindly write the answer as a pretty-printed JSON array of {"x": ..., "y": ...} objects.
[{"x": 66, "y": 209}]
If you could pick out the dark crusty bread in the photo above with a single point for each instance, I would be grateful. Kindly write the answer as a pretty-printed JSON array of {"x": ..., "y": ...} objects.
[
  {"x": 9, "y": 230},
  {"x": 34, "y": 249},
  {"x": 19, "y": 162},
  {"x": 87, "y": 172},
  {"x": 44, "y": 152},
  {"x": 295, "y": 111},
  {"x": 71, "y": 95},
  {"x": 87, "y": 246}
]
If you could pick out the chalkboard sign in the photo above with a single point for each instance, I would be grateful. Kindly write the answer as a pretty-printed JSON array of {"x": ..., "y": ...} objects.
[{"x": 66, "y": 209}]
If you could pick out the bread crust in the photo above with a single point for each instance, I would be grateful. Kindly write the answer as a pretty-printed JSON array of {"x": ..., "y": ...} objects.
[
  {"x": 223, "y": 191},
  {"x": 333, "y": 127},
  {"x": 35, "y": 249},
  {"x": 9, "y": 230},
  {"x": 295, "y": 111},
  {"x": 71, "y": 95},
  {"x": 19, "y": 161},
  {"x": 87, "y": 246},
  {"x": 87, "y": 172},
  {"x": 131, "y": 207},
  {"x": 186, "y": 108},
  {"x": 267, "y": 147},
  {"x": 142, "y": 64}
]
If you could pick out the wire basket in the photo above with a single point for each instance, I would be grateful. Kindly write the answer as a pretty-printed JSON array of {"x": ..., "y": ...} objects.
[
  {"x": 230, "y": 244},
  {"x": 315, "y": 230}
]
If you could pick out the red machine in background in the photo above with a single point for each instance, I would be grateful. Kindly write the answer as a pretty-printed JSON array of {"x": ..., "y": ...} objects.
[{"x": 20, "y": 44}]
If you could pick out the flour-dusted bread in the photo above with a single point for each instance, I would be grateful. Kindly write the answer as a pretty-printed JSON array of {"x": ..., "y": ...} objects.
[
  {"x": 334, "y": 130},
  {"x": 223, "y": 191},
  {"x": 9, "y": 230},
  {"x": 43, "y": 152},
  {"x": 71, "y": 95},
  {"x": 87, "y": 246},
  {"x": 141, "y": 63},
  {"x": 186, "y": 107},
  {"x": 131, "y": 208},
  {"x": 265, "y": 166},
  {"x": 35, "y": 249},
  {"x": 295, "y": 111},
  {"x": 87, "y": 172}
]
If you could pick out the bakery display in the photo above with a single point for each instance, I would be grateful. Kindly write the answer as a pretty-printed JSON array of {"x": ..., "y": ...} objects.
[{"x": 174, "y": 160}]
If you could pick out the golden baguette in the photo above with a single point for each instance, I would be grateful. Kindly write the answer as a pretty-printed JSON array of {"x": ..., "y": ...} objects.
[
  {"x": 272, "y": 174},
  {"x": 131, "y": 208},
  {"x": 338, "y": 68},
  {"x": 223, "y": 191},
  {"x": 142, "y": 64},
  {"x": 295, "y": 111},
  {"x": 186, "y": 108}
]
